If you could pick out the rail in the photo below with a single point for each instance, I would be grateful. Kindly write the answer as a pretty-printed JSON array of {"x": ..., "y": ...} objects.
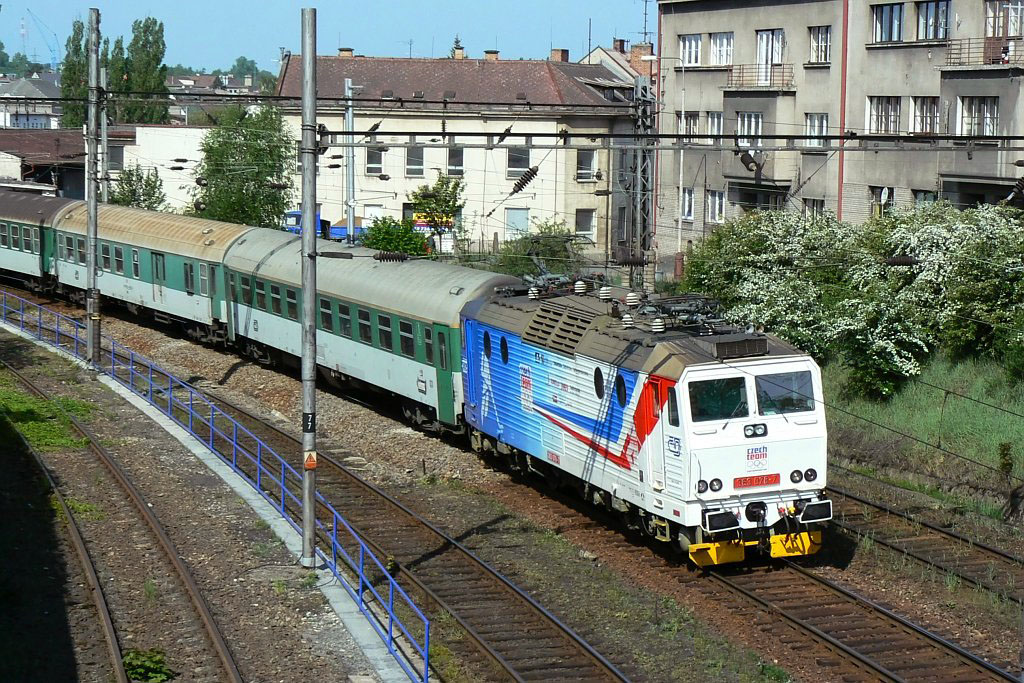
[
  {"x": 761, "y": 76},
  {"x": 275, "y": 480},
  {"x": 992, "y": 51}
]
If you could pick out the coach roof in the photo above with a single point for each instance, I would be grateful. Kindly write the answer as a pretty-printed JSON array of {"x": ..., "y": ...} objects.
[{"x": 31, "y": 208}]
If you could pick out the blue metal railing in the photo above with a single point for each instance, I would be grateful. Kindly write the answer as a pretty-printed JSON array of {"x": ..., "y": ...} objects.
[{"x": 277, "y": 481}]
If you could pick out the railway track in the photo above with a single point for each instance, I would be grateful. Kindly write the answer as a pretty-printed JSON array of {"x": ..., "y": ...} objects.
[
  {"x": 511, "y": 631},
  {"x": 209, "y": 647},
  {"x": 975, "y": 563}
]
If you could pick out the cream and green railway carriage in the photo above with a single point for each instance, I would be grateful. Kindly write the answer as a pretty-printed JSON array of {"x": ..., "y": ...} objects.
[{"x": 394, "y": 326}]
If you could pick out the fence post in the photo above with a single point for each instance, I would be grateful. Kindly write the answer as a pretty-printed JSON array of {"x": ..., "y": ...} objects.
[
  {"x": 190, "y": 409},
  {"x": 362, "y": 550},
  {"x": 151, "y": 383},
  {"x": 259, "y": 464},
  {"x": 426, "y": 650},
  {"x": 283, "y": 486},
  {"x": 39, "y": 323},
  {"x": 170, "y": 397},
  {"x": 391, "y": 612},
  {"x": 21, "y": 315},
  {"x": 213, "y": 411},
  {"x": 234, "y": 444}
]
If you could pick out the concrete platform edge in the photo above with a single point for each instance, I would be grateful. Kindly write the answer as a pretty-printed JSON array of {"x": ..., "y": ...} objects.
[{"x": 352, "y": 619}]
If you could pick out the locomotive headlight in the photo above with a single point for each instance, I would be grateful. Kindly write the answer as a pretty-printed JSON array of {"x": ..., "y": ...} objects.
[
  {"x": 760, "y": 430},
  {"x": 702, "y": 486},
  {"x": 748, "y": 431},
  {"x": 810, "y": 475},
  {"x": 796, "y": 476},
  {"x": 716, "y": 484}
]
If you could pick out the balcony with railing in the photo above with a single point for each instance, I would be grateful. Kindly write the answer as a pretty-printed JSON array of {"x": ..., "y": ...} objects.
[
  {"x": 993, "y": 51},
  {"x": 761, "y": 77}
]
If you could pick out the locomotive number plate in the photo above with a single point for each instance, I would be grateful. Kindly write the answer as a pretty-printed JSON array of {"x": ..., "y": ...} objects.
[{"x": 755, "y": 481}]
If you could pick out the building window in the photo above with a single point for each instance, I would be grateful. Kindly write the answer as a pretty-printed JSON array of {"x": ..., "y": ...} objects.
[
  {"x": 715, "y": 126},
  {"x": 721, "y": 49},
  {"x": 748, "y": 128},
  {"x": 815, "y": 125},
  {"x": 716, "y": 206},
  {"x": 821, "y": 44},
  {"x": 814, "y": 207},
  {"x": 1003, "y": 19},
  {"x": 405, "y": 339},
  {"x": 686, "y": 210},
  {"x": 298, "y": 162},
  {"x": 884, "y": 115},
  {"x": 517, "y": 222},
  {"x": 374, "y": 160},
  {"x": 518, "y": 161},
  {"x": 882, "y": 199},
  {"x": 888, "y": 22},
  {"x": 326, "y": 315},
  {"x": 585, "y": 164},
  {"x": 413, "y": 161},
  {"x": 119, "y": 260},
  {"x": 978, "y": 116},
  {"x": 926, "y": 115},
  {"x": 365, "y": 334},
  {"x": 925, "y": 197},
  {"x": 293, "y": 303},
  {"x": 688, "y": 125},
  {"x": 455, "y": 161},
  {"x": 689, "y": 49},
  {"x": 933, "y": 20},
  {"x": 585, "y": 222},
  {"x": 384, "y": 331}
]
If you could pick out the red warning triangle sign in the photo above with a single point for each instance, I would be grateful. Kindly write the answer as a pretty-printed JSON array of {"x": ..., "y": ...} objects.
[{"x": 310, "y": 460}]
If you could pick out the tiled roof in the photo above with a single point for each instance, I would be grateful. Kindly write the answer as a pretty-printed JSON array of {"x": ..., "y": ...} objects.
[
  {"x": 52, "y": 146},
  {"x": 484, "y": 81},
  {"x": 30, "y": 87}
]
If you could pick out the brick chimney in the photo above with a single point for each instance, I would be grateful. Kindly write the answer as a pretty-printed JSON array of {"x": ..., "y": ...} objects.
[
  {"x": 619, "y": 45},
  {"x": 346, "y": 52},
  {"x": 491, "y": 55},
  {"x": 559, "y": 55},
  {"x": 460, "y": 53},
  {"x": 638, "y": 50}
]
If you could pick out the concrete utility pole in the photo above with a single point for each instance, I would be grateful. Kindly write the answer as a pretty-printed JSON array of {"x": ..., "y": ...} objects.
[
  {"x": 92, "y": 294},
  {"x": 350, "y": 164},
  {"x": 309, "y": 231},
  {"x": 104, "y": 154}
]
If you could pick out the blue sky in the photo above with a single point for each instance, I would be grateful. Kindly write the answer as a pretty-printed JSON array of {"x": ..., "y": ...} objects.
[{"x": 212, "y": 33}]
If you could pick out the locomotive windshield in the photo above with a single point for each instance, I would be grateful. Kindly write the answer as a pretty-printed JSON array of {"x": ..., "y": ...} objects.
[
  {"x": 786, "y": 392},
  {"x": 718, "y": 399}
]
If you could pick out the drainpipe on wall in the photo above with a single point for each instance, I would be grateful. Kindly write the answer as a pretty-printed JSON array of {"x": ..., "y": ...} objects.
[{"x": 842, "y": 106}]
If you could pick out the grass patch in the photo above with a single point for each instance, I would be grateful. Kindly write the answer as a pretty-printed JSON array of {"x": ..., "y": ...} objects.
[
  {"x": 44, "y": 424},
  {"x": 149, "y": 589},
  {"x": 79, "y": 508},
  {"x": 279, "y": 586}
]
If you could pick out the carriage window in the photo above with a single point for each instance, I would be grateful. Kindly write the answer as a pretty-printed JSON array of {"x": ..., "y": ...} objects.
[
  {"x": 673, "y": 408},
  {"x": 293, "y": 304},
  {"x": 405, "y": 339},
  {"x": 15, "y": 237},
  {"x": 656, "y": 399},
  {"x": 326, "y": 315},
  {"x": 428, "y": 343},
  {"x": 159, "y": 269},
  {"x": 261, "y": 294},
  {"x": 190, "y": 278},
  {"x": 365, "y": 334},
  {"x": 620, "y": 391},
  {"x": 786, "y": 392},
  {"x": 345, "y": 320},
  {"x": 275, "y": 299},
  {"x": 3, "y": 234},
  {"x": 204, "y": 279},
  {"x": 81, "y": 250},
  {"x": 119, "y": 260},
  {"x": 487, "y": 344},
  {"x": 35, "y": 240},
  {"x": 442, "y": 351},
  {"x": 135, "y": 263},
  {"x": 384, "y": 331},
  {"x": 105, "y": 256},
  {"x": 69, "y": 248},
  {"x": 246, "y": 290},
  {"x": 504, "y": 351},
  {"x": 718, "y": 399},
  {"x": 598, "y": 383}
]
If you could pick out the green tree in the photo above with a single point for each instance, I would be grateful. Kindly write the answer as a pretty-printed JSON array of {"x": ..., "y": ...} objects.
[
  {"x": 117, "y": 80},
  {"x": 147, "y": 72},
  {"x": 247, "y": 163},
  {"x": 390, "y": 234},
  {"x": 5, "y": 59},
  {"x": 455, "y": 46},
  {"x": 266, "y": 82},
  {"x": 74, "y": 79},
  {"x": 439, "y": 203},
  {"x": 244, "y": 66},
  {"x": 551, "y": 243},
  {"x": 139, "y": 188}
]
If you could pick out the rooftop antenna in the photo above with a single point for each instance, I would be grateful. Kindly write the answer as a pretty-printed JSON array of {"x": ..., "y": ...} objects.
[
  {"x": 409, "y": 43},
  {"x": 645, "y": 32},
  {"x": 24, "y": 37},
  {"x": 590, "y": 34}
]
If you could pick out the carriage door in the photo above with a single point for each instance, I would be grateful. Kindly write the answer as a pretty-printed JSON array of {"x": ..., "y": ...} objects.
[
  {"x": 769, "y": 54},
  {"x": 652, "y": 402},
  {"x": 159, "y": 277}
]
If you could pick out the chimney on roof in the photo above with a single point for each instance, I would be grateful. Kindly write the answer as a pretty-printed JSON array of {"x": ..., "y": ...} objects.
[
  {"x": 247, "y": 80},
  {"x": 559, "y": 55},
  {"x": 346, "y": 52},
  {"x": 638, "y": 50},
  {"x": 491, "y": 55},
  {"x": 460, "y": 53},
  {"x": 619, "y": 45}
]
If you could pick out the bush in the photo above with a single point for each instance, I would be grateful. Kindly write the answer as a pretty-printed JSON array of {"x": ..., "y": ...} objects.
[
  {"x": 551, "y": 242},
  {"x": 388, "y": 234}
]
